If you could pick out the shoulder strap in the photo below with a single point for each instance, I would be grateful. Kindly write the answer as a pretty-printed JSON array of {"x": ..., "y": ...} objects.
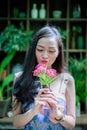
[{"x": 63, "y": 83}]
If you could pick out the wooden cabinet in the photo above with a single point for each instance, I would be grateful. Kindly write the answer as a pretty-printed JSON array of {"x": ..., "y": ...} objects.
[{"x": 74, "y": 14}]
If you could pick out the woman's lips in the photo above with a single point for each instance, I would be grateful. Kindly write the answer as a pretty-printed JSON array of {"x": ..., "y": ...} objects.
[{"x": 44, "y": 61}]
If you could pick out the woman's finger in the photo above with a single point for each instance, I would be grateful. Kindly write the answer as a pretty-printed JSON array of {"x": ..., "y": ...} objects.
[{"x": 42, "y": 91}]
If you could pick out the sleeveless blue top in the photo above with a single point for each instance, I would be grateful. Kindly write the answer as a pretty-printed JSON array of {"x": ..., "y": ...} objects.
[{"x": 41, "y": 120}]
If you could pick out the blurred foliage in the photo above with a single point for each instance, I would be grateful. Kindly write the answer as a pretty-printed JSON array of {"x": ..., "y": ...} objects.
[
  {"x": 77, "y": 68},
  {"x": 12, "y": 38},
  {"x": 9, "y": 78}
]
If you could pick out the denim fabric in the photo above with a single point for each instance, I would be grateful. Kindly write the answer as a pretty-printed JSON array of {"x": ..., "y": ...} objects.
[{"x": 42, "y": 122}]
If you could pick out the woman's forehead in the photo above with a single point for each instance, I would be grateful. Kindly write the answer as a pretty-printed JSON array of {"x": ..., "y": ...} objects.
[{"x": 47, "y": 41}]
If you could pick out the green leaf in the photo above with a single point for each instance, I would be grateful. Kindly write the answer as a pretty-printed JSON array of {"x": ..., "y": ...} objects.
[
  {"x": 6, "y": 81},
  {"x": 6, "y": 61},
  {"x": 9, "y": 88},
  {"x": 52, "y": 80},
  {"x": 43, "y": 81}
]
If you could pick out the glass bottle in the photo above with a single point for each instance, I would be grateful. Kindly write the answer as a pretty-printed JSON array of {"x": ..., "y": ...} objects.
[
  {"x": 77, "y": 11},
  {"x": 34, "y": 11},
  {"x": 73, "y": 42},
  {"x": 42, "y": 11},
  {"x": 78, "y": 109},
  {"x": 15, "y": 12},
  {"x": 80, "y": 42}
]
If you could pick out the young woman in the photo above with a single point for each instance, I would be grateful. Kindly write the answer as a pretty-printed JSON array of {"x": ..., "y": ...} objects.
[{"x": 29, "y": 98}]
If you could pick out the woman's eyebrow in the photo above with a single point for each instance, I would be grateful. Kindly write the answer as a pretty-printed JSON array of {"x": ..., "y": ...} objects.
[
  {"x": 50, "y": 47},
  {"x": 40, "y": 46}
]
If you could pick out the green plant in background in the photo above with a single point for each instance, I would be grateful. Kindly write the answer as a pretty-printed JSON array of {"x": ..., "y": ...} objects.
[
  {"x": 12, "y": 38},
  {"x": 63, "y": 32},
  {"x": 77, "y": 68},
  {"x": 76, "y": 30},
  {"x": 9, "y": 78}
]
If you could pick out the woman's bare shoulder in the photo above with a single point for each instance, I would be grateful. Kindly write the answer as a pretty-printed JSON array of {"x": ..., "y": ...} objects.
[
  {"x": 68, "y": 76},
  {"x": 17, "y": 75},
  {"x": 69, "y": 79}
]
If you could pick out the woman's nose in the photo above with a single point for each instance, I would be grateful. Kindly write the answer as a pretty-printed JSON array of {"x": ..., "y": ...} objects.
[{"x": 45, "y": 54}]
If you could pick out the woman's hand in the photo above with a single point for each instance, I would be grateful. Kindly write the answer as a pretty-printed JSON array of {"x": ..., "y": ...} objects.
[
  {"x": 56, "y": 110},
  {"x": 56, "y": 113},
  {"x": 46, "y": 98},
  {"x": 40, "y": 100}
]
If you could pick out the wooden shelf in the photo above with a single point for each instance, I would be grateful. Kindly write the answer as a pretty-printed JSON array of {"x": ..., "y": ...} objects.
[
  {"x": 82, "y": 120},
  {"x": 66, "y": 22}
]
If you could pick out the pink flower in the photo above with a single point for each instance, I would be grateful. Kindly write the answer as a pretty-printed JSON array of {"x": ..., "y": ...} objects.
[
  {"x": 36, "y": 72},
  {"x": 51, "y": 72},
  {"x": 39, "y": 68},
  {"x": 46, "y": 76}
]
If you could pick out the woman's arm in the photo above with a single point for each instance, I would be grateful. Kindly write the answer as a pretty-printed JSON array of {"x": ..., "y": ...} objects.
[
  {"x": 56, "y": 112},
  {"x": 70, "y": 118},
  {"x": 20, "y": 119}
]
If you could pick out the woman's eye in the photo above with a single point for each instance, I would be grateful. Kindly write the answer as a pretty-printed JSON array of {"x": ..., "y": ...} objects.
[
  {"x": 51, "y": 51},
  {"x": 40, "y": 50}
]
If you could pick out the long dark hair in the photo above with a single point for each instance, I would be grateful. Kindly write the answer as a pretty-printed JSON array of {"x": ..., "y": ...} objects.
[{"x": 24, "y": 84}]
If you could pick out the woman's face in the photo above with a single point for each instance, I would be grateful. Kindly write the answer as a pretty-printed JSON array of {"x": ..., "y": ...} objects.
[{"x": 47, "y": 51}]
